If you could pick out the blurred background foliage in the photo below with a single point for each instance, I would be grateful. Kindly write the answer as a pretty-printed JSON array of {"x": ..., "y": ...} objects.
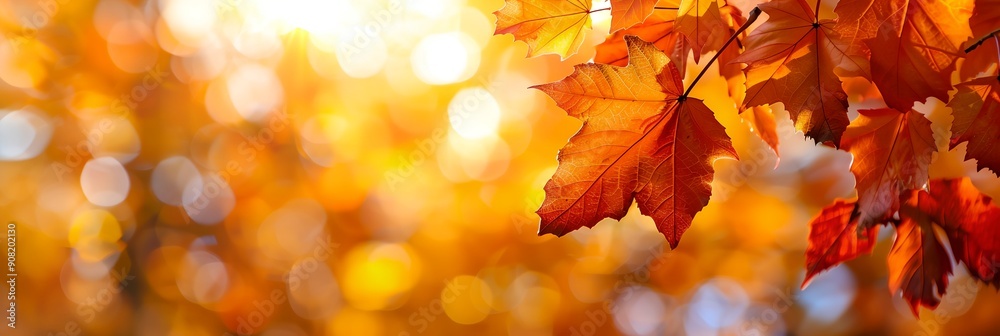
[{"x": 202, "y": 167}]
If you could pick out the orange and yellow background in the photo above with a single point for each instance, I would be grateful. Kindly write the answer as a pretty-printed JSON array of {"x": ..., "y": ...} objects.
[{"x": 310, "y": 167}]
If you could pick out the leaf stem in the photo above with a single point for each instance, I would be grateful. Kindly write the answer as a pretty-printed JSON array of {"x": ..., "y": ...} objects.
[
  {"x": 609, "y": 8},
  {"x": 817, "y": 11},
  {"x": 997, "y": 40},
  {"x": 754, "y": 13},
  {"x": 981, "y": 40}
]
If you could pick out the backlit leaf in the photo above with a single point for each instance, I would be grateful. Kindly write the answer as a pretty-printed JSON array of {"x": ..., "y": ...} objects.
[
  {"x": 918, "y": 262},
  {"x": 701, "y": 22},
  {"x": 970, "y": 220},
  {"x": 913, "y": 44},
  {"x": 891, "y": 153},
  {"x": 791, "y": 60},
  {"x": 659, "y": 28},
  {"x": 976, "y": 108},
  {"x": 627, "y": 13},
  {"x": 548, "y": 27},
  {"x": 834, "y": 238},
  {"x": 641, "y": 139}
]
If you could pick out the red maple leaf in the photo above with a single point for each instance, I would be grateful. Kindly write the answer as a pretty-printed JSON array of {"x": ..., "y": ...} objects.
[
  {"x": 791, "y": 60},
  {"x": 918, "y": 262},
  {"x": 976, "y": 107},
  {"x": 834, "y": 238},
  {"x": 913, "y": 44},
  {"x": 969, "y": 218},
  {"x": 891, "y": 153}
]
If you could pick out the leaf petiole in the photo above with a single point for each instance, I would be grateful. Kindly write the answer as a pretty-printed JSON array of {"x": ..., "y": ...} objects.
[
  {"x": 754, "y": 13},
  {"x": 981, "y": 41},
  {"x": 816, "y": 20},
  {"x": 997, "y": 41},
  {"x": 609, "y": 8}
]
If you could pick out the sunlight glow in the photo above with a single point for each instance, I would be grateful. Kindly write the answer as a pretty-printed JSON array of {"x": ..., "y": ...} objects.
[
  {"x": 314, "y": 16},
  {"x": 445, "y": 58},
  {"x": 474, "y": 113},
  {"x": 189, "y": 19}
]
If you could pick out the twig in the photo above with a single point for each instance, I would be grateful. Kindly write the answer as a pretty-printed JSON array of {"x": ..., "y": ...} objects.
[{"x": 754, "y": 13}]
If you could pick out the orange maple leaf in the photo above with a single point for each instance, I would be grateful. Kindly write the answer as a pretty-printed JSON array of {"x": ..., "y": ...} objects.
[
  {"x": 913, "y": 44},
  {"x": 627, "y": 13},
  {"x": 976, "y": 108},
  {"x": 702, "y": 23},
  {"x": 762, "y": 122},
  {"x": 834, "y": 238},
  {"x": 658, "y": 28},
  {"x": 985, "y": 20},
  {"x": 546, "y": 26},
  {"x": 892, "y": 151},
  {"x": 969, "y": 219},
  {"x": 642, "y": 138},
  {"x": 981, "y": 60},
  {"x": 791, "y": 59},
  {"x": 918, "y": 262}
]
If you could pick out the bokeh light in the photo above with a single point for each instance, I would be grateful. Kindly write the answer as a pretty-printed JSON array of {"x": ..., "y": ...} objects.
[
  {"x": 104, "y": 181},
  {"x": 23, "y": 135},
  {"x": 445, "y": 58}
]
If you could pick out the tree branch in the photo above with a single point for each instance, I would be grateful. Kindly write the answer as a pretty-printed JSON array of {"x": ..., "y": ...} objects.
[
  {"x": 754, "y": 13},
  {"x": 980, "y": 41}
]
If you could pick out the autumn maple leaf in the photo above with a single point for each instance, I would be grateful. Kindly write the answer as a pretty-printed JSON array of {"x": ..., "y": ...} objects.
[
  {"x": 834, "y": 238},
  {"x": 702, "y": 23},
  {"x": 985, "y": 18},
  {"x": 626, "y": 13},
  {"x": 642, "y": 139},
  {"x": 546, "y": 26},
  {"x": 969, "y": 219},
  {"x": 762, "y": 122},
  {"x": 691, "y": 23},
  {"x": 659, "y": 28},
  {"x": 674, "y": 36},
  {"x": 976, "y": 108},
  {"x": 918, "y": 262},
  {"x": 919, "y": 265},
  {"x": 913, "y": 44},
  {"x": 557, "y": 26},
  {"x": 892, "y": 151},
  {"x": 791, "y": 59},
  {"x": 981, "y": 60},
  {"x": 982, "y": 51}
]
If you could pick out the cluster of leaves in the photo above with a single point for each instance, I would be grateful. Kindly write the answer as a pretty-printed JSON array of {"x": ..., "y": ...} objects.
[{"x": 644, "y": 139}]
